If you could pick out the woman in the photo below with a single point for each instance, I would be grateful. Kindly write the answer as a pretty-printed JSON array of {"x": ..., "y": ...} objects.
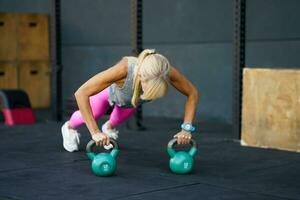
[{"x": 129, "y": 83}]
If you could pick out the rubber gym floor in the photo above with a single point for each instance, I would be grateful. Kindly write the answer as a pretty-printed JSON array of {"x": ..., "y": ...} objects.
[{"x": 35, "y": 166}]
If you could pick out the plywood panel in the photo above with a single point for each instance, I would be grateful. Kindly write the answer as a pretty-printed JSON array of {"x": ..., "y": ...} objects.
[
  {"x": 34, "y": 78},
  {"x": 8, "y": 76},
  {"x": 271, "y": 109},
  {"x": 8, "y": 42},
  {"x": 33, "y": 37}
]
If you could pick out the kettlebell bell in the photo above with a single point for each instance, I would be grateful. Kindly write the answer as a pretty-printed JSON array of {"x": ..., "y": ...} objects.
[
  {"x": 181, "y": 162},
  {"x": 103, "y": 164}
]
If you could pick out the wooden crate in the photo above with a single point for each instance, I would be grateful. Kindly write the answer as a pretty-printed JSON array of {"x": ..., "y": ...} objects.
[
  {"x": 271, "y": 109},
  {"x": 33, "y": 37},
  {"x": 8, "y": 38},
  {"x": 8, "y": 76},
  {"x": 34, "y": 78}
]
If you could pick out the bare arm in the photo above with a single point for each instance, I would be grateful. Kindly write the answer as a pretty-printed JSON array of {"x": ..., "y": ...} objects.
[
  {"x": 184, "y": 86},
  {"x": 93, "y": 86}
]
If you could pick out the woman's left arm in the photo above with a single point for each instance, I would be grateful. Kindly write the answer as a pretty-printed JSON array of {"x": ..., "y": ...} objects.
[{"x": 184, "y": 86}]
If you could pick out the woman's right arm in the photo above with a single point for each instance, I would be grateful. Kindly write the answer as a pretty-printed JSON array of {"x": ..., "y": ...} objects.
[{"x": 95, "y": 85}]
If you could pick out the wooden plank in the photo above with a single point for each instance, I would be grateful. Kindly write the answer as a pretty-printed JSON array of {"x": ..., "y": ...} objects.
[
  {"x": 34, "y": 78},
  {"x": 33, "y": 37},
  {"x": 271, "y": 109},
  {"x": 8, "y": 42},
  {"x": 8, "y": 76}
]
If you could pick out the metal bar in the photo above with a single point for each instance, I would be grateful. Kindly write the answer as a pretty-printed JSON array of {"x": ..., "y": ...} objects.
[
  {"x": 136, "y": 48},
  {"x": 136, "y": 27},
  {"x": 239, "y": 64},
  {"x": 56, "y": 69}
]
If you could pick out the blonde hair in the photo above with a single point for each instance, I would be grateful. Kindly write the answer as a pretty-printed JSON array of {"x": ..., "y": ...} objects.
[{"x": 154, "y": 69}]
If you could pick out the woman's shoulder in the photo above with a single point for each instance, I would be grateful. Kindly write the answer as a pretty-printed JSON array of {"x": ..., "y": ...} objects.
[{"x": 131, "y": 59}]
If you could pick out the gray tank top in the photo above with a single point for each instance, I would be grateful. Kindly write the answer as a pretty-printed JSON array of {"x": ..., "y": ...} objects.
[{"x": 121, "y": 96}]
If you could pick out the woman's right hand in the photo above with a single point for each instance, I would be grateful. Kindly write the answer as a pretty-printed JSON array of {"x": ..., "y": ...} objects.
[{"x": 101, "y": 139}]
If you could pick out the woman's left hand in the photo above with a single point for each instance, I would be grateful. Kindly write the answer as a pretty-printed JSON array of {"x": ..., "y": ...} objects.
[{"x": 183, "y": 137}]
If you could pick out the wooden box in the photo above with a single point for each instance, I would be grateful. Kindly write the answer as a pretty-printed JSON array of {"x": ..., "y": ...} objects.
[
  {"x": 33, "y": 37},
  {"x": 271, "y": 109},
  {"x": 35, "y": 80},
  {"x": 8, "y": 76},
  {"x": 8, "y": 38}
]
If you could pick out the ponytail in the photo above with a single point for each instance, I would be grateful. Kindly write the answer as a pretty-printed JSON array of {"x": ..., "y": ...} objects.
[{"x": 136, "y": 80}]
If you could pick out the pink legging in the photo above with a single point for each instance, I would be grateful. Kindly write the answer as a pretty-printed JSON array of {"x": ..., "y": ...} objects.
[{"x": 99, "y": 104}]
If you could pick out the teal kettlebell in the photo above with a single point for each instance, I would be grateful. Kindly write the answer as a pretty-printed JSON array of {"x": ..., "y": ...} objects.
[
  {"x": 103, "y": 164},
  {"x": 181, "y": 162}
]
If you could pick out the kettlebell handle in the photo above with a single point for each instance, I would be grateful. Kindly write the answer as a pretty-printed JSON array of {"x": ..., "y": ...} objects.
[
  {"x": 92, "y": 144},
  {"x": 173, "y": 141},
  {"x": 172, "y": 152}
]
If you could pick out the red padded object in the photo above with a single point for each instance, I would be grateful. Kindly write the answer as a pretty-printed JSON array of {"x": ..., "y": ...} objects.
[{"x": 18, "y": 116}]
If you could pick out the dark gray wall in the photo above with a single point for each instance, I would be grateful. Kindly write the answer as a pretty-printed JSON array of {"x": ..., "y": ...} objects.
[
  {"x": 273, "y": 33},
  {"x": 95, "y": 35},
  {"x": 36, "y": 6},
  {"x": 195, "y": 35}
]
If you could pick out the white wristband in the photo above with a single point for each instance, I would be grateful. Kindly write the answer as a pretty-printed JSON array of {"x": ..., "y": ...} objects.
[{"x": 97, "y": 137}]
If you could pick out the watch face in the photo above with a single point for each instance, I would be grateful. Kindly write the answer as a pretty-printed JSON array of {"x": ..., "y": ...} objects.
[{"x": 188, "y": 126}]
